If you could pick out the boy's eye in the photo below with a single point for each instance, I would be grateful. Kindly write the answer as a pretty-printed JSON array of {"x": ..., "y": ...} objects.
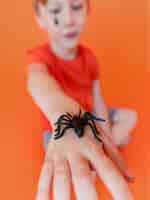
[
  {"x": 55, "y": 11},
  {"x": 77, "y": 7},
  {"x": 74, "y": 7}
]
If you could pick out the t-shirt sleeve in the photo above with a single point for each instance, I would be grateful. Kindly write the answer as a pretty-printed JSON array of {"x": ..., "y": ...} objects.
[
  {"x": 40, "y": 54},
  {"x": 35, "y": 54},
  {"x": 94, "y": 67}
]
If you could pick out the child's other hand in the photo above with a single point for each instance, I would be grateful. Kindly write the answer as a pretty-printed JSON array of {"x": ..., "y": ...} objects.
[{"x": 67, "y": 161}]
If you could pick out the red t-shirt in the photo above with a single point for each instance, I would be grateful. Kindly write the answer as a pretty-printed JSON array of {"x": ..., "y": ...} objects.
[{"x": 74, "y": 76}]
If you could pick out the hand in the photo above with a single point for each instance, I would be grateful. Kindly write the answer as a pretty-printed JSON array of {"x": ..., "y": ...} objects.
[{"x": 67, "y": 160}]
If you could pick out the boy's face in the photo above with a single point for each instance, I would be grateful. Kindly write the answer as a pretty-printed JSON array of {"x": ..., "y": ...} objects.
[{"x": 64, "y": 20}]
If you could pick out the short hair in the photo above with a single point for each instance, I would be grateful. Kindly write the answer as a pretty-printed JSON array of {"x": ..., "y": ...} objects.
[{"x": 35, "y": 4}]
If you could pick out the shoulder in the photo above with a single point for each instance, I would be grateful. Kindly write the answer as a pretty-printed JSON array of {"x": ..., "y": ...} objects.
[
  {"x": 89, "y": 52},
  {"x": 41, "y": 47},
  {"x": 38, "y": 53},
  {"x": 92, "y": 62}
]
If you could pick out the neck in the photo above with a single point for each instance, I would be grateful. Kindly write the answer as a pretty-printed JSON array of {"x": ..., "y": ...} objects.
[{"x": 67, "y": 54}]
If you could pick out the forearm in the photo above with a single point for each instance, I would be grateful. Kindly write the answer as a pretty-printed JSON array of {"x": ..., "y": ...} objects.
[
  {"x": 102, "y": 111},
  {"x": 100, "y": 107},
  {"x": 49, "y": 97}
]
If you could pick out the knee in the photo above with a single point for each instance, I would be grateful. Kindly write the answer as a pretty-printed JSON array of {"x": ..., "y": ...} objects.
[
  {"x": 127, "y": 116},
  {"x": 132, "y": 116}
]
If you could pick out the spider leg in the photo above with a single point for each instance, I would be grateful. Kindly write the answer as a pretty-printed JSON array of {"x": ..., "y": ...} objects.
[
  {"x": 58, "y": 128},
  {"x": 90, "y": 115},
  {"x": 100, "y": 119},
  {"x": 80, "y": 114},
  {"x": 63, "y": 123},
  {"x": 63, "y": 116},
  {"x": 93, "y": 123},
  {"x": 58, "y": 122},
  {"x": 61, "y": 134},
  {"x": 58, "y": 132},
  {"x": 69, "y": 115},
  {"x": 94, "y": 130},
  {"x": 60, "y": 119}
]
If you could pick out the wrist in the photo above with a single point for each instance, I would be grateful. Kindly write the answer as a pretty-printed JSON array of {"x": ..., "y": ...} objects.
[{"x": 105, "y": 126}]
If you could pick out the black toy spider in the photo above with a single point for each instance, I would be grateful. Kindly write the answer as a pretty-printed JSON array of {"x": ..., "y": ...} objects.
[{"x": 78, "y": 123}]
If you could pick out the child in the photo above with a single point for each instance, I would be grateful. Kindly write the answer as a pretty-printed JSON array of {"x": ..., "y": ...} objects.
[{"x": 63, "y": 75}]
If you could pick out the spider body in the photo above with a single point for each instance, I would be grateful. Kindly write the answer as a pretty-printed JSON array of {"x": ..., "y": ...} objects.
[{"x": 77, "y": 122}]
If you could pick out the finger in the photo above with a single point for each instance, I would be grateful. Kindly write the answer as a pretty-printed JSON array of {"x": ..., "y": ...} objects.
[
  {"x": 116, "y": 157},
  {"x": 110, "y": 175},
  {"x": 62, "y": 179},
  {"x": 45, "y": 180},
  {"x": 82, "y": 178},
  {"x": 93, "y": 172}
]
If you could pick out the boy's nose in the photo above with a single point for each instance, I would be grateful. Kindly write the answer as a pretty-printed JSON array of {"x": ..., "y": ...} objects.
[{"x": 68, "y": 18}]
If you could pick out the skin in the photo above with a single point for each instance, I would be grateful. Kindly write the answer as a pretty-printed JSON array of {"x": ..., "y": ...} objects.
[
  {"x": 72, "y": 16},
  {"x": 69, "y": 161}
]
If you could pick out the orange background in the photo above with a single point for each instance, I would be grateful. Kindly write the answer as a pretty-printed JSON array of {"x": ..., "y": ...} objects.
[{"x": 116, "y": 32}]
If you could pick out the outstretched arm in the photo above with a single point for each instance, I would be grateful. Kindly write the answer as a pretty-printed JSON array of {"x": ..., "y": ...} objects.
[
  {"x": 47, "y": 93},
  {"x": 100, "y": 107},
  {"x": 68, "y": 158}
]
